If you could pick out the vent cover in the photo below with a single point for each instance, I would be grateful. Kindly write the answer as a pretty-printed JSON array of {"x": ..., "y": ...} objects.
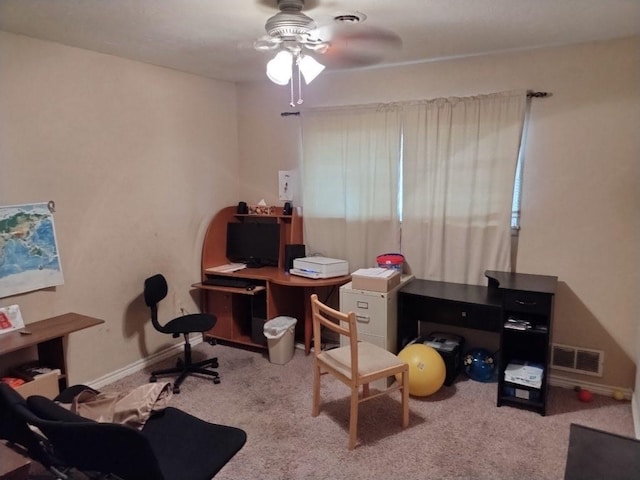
[{"x": 577, "y": 359}]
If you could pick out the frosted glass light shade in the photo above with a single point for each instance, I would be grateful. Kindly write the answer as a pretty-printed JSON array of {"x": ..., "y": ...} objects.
[
  {"x": 310, "y": 68},
  {"x": 279, "y": 68}
]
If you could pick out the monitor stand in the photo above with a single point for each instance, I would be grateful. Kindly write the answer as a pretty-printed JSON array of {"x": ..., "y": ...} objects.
[{"x": 254, "y": 263}]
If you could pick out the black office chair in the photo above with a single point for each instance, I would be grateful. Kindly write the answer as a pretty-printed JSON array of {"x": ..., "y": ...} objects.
[
  {"x": 19, "y": 436},
  {"x": 172, "y": 445},
  {"x": 155, "y": 289}
]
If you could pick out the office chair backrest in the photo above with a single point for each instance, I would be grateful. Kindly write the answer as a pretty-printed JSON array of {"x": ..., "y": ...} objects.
[
  {"x": 155, "y": 289},
  {"x": 15, "y": 429},
  {"x": 92, "y": 446}
]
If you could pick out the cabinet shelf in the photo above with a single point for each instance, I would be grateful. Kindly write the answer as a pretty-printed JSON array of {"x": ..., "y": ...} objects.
[{"x": 528, "y": 298}]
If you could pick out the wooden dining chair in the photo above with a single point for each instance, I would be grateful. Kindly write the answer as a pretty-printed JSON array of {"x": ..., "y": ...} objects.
[{"x": 356, "y": 364}]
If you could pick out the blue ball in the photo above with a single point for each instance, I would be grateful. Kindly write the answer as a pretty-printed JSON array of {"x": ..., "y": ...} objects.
[{"x": 480, "y": 365}]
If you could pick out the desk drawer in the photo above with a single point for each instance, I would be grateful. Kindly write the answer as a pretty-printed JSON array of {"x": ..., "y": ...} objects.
[
  {"x": 479, "y": 317},
  {"x": 528, "y": 302}
]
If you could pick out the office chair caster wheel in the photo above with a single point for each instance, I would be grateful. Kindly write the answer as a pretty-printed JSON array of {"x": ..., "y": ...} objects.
[
  {"x": 153, "y": 379},
  {"x": 212, "y": 341},
  {"x": 216, "y": 380},
  {"x": 214, "y": 363},
  {"x": 176, "y": 390}
]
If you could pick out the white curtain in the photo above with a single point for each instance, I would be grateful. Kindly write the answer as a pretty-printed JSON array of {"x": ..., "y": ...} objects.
[
  {"x": 350, "y": 179},
  {"x": 460, "y": 159}
]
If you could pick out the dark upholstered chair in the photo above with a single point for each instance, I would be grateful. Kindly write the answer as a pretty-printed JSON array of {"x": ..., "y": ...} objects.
[
  {"x": 155, "y": 289},
  {"x": 173, "y": 445}
]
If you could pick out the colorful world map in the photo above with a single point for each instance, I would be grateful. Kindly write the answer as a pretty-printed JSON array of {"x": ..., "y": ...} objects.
[{"x": 29, "y": 258}]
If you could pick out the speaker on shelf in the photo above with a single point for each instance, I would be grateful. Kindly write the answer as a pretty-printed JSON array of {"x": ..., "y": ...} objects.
[
  {"x": 287, "y": 209},
  {"x": 242, "y": 209},
  {"x": 291, "y": 252}
]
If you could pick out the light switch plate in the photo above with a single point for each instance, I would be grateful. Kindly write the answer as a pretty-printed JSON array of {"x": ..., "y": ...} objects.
[{"x": 285, "y": 185}]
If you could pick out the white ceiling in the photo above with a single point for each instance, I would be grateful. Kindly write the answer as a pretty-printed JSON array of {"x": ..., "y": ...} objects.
[{"x": 214, "y": 38}]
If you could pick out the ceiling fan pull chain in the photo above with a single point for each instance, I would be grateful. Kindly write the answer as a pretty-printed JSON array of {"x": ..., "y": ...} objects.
[
  {"x": 299, "y": 85},
  {"x": 292, "y": 103}
]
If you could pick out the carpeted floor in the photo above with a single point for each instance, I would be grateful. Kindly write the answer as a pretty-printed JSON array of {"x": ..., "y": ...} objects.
[{"x": 457, "y": 433}]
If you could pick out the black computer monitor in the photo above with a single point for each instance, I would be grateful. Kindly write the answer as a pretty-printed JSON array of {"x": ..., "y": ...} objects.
[{"x": 255, "y": 243}]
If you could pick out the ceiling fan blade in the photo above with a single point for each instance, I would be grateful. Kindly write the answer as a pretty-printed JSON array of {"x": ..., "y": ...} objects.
[{"x": 356, "y": 45}]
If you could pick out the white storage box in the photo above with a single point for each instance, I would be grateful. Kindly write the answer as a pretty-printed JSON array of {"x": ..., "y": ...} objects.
[
  {"x": 45, "y": 385},
  {"x": 524, "y": 374},
  {"x": 375, "y": 279}
]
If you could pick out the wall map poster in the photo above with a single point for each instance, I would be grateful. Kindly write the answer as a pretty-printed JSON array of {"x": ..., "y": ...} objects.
[{"x": 29, "y": 258}]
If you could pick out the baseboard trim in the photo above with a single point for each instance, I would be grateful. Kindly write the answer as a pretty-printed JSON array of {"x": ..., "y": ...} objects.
[
  {"x": 141, "y": 364},
  {"x": 607, "y": 390},
  {"x": 571, "y": 383}
]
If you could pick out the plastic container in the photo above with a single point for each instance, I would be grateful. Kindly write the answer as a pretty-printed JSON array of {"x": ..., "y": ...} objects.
[
  {"x": 391, "y": 260},
  {"x": 280, "y": 334}
]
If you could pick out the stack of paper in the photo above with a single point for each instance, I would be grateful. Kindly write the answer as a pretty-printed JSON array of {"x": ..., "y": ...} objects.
[
  {"x": 226, "y": 268},
  {"x": 375, "y": 272}
]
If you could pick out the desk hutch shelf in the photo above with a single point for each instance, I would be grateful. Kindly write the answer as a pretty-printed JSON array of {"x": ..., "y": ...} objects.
[{"x": 276, "y": 293}]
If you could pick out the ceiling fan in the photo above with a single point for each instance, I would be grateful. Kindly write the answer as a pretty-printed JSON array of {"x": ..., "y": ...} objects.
[{"x": 341, "y": 43}]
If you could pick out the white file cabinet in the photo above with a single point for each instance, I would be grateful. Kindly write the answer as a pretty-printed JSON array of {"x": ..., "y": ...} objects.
[{"x": 376, "y": 316}]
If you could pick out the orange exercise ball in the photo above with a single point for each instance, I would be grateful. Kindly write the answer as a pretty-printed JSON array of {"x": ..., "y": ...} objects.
[{"x": 427, "y": 370}]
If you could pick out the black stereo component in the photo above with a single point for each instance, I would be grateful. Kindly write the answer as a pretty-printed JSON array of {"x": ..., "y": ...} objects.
[
  {"x": 291, "y": 252},
  {"x": 242, "y": 209},
  {"x": 287, "y": 209}
]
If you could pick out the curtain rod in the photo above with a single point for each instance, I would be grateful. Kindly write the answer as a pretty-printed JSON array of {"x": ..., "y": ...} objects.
[{"x": 530, "y": 94}]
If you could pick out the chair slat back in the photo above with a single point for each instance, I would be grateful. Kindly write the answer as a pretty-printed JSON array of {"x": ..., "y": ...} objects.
[{"x": 339, "y": 322}]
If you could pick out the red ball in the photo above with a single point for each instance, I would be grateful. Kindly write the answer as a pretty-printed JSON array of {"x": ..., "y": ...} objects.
[{"x": 585, "y": 395}]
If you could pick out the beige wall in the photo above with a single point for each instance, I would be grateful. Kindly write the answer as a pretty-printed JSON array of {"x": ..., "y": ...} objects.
[
  {"x": 137, "y": 159},
  {"x": 581, "y": 174}
]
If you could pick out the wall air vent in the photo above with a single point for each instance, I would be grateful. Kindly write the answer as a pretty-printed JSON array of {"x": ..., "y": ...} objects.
[{"x": 577, "y": 359}]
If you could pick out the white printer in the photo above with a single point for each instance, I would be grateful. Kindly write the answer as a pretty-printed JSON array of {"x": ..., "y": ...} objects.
[{"x": 319, "y": 267}]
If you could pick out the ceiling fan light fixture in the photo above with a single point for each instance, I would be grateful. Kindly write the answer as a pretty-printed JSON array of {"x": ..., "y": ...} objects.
[
  {"x": 310, "y": 68},
  {"x": 280, "y": 68}
]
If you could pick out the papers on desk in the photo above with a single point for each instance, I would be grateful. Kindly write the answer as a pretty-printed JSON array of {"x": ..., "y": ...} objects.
[
  {"x": 10, "y": 319},
  {"x": 226, "y": 268},
  {"x": 375, "y": 272}
]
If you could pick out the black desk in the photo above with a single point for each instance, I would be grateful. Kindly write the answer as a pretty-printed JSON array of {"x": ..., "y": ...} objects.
[
  {"x": 508, "y": 295},
  {"x": 469, "y": 306}
]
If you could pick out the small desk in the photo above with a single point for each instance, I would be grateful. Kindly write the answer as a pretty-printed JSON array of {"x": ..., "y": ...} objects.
[
  {"x": 48, "y": 337},
  {"x": 469, "y": 306},
  {"x": 507, "y": 297}
]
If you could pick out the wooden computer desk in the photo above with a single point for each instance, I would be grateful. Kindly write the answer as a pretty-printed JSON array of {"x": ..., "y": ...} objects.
[
  {"x": 48, "y": 338},
  {"x": 286, "y": 295},
  {"x": 276, "y": 292}
]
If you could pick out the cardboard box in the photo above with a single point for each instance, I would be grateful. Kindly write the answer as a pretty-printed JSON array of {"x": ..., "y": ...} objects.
[
  {"x": 375, "y": 279},
  {"x": 45, "y": 385}
]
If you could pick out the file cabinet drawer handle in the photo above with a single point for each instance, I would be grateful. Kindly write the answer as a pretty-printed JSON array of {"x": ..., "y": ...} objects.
[{"x": 363, "y": 318}]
